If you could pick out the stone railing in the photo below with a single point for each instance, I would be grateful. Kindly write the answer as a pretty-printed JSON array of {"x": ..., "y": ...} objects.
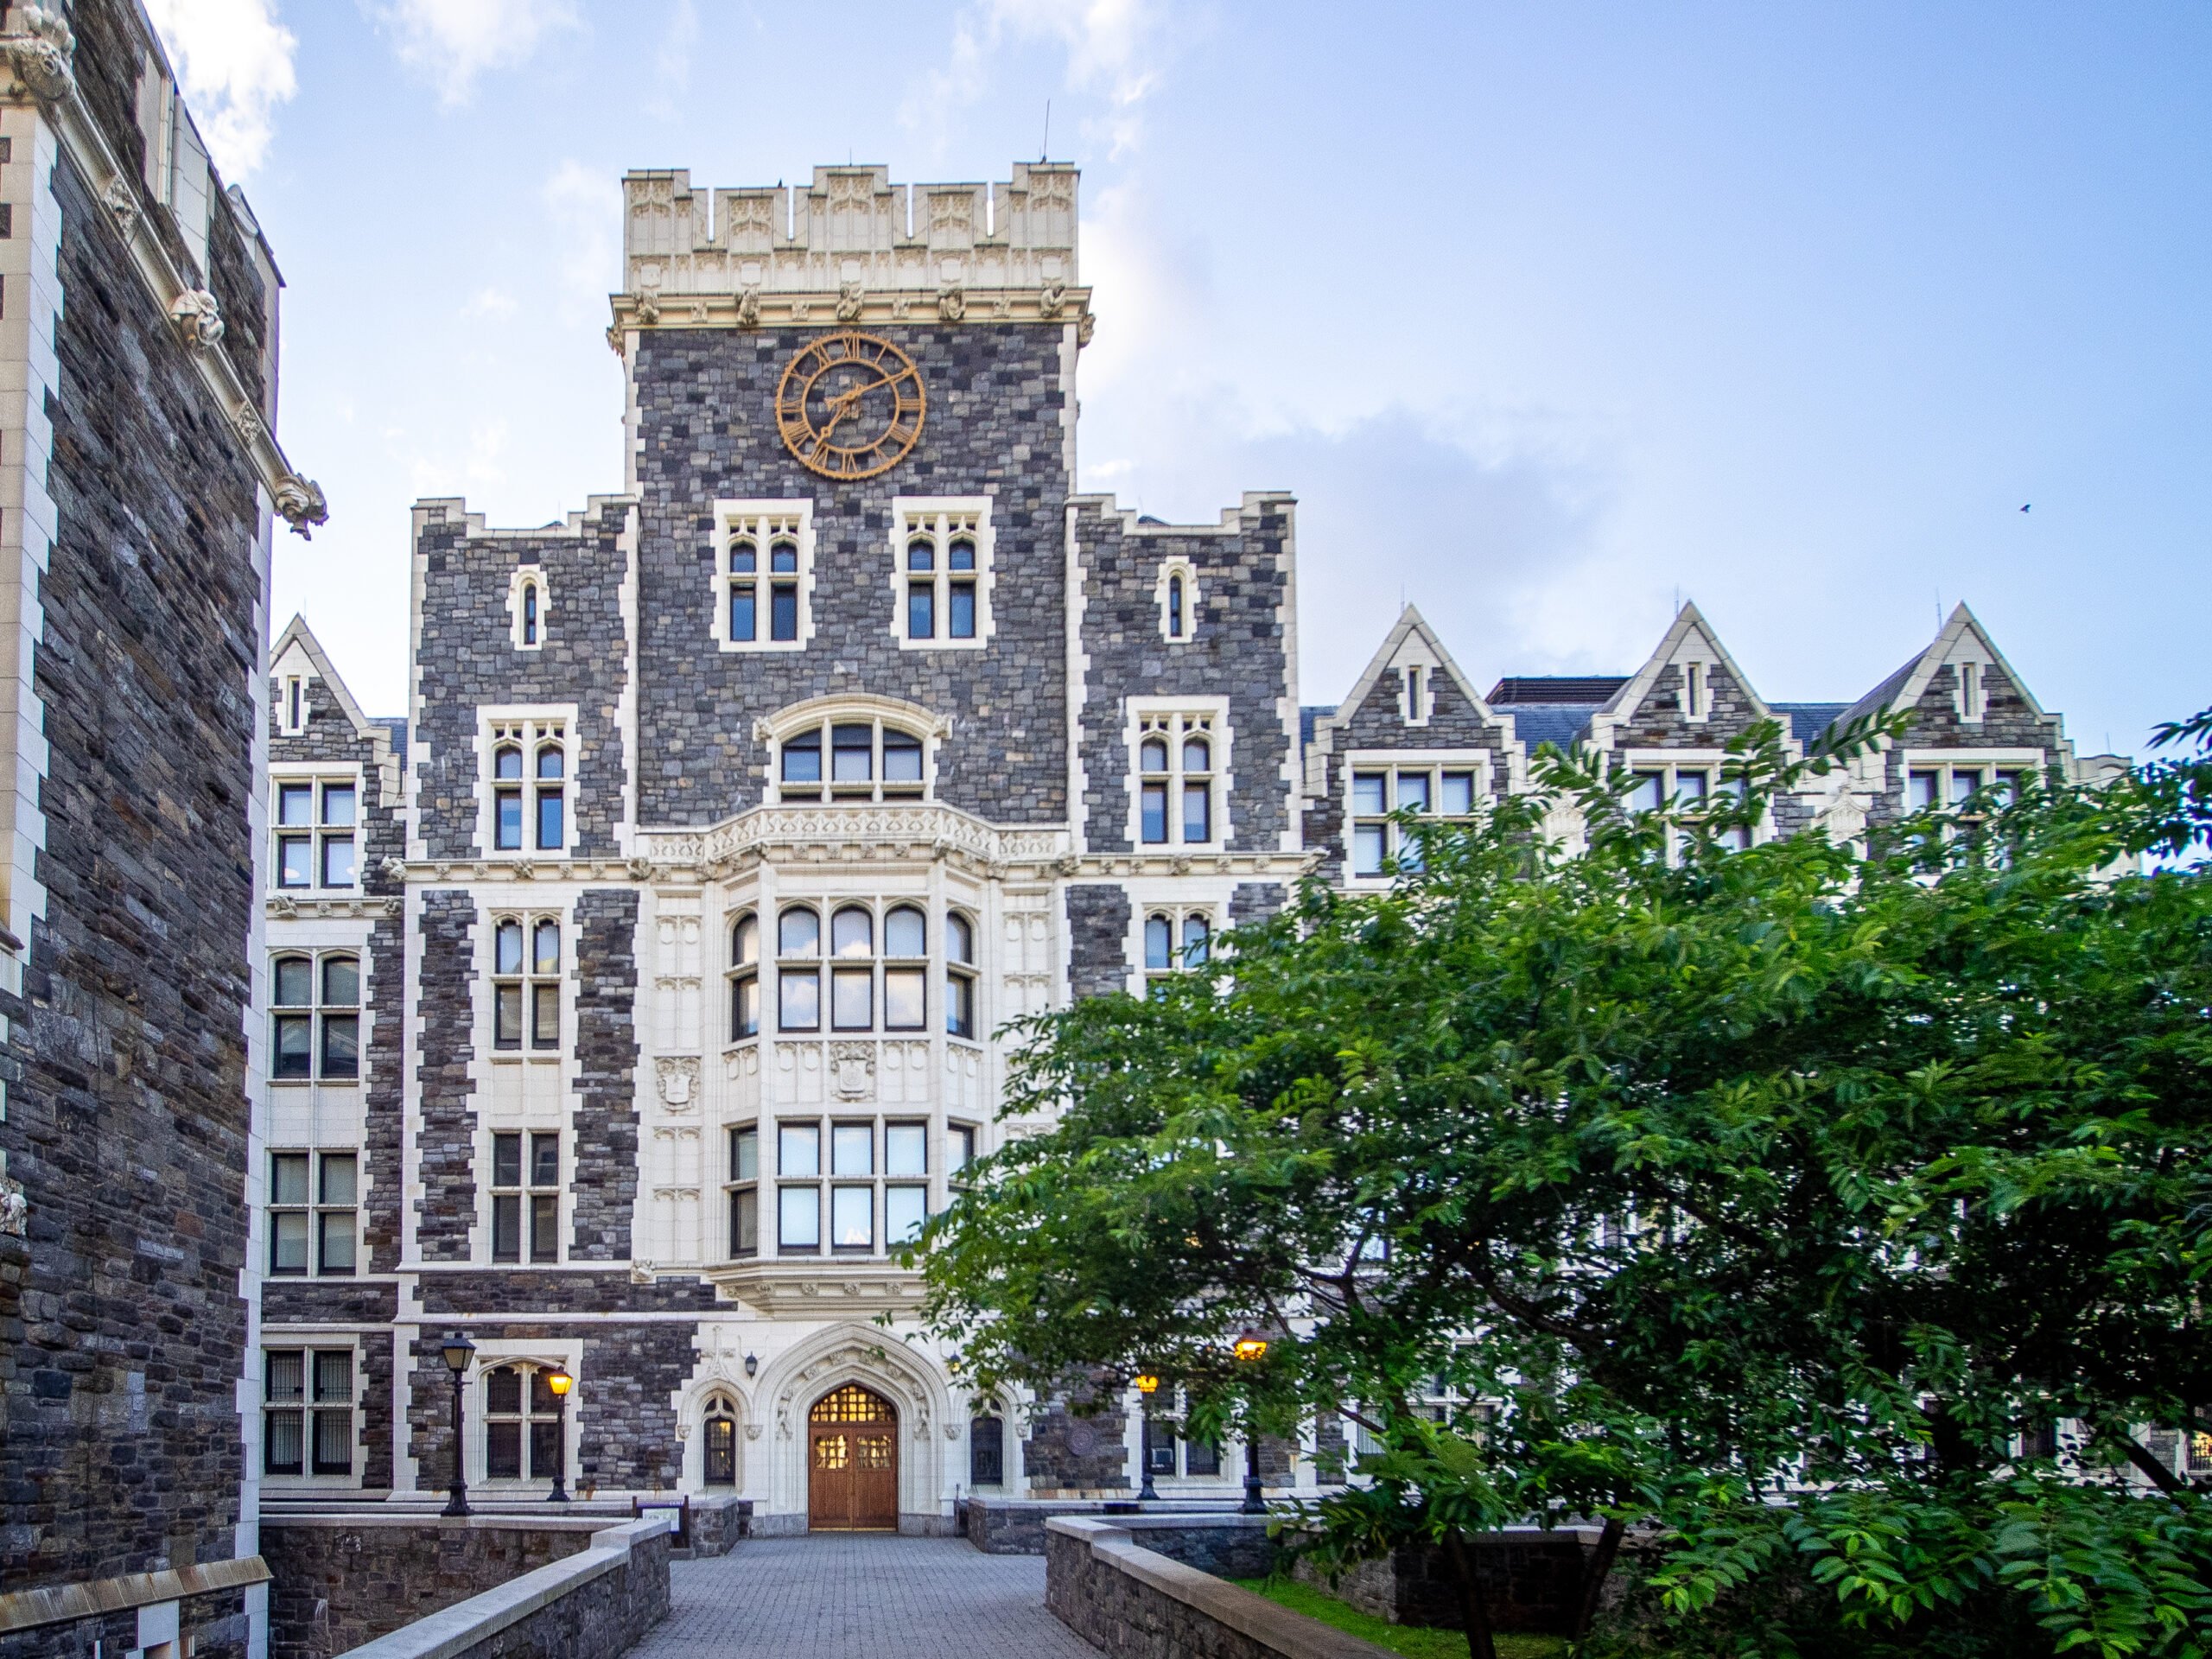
[
  {"x": 592, "y": 1604},
  {"x": 1132, "y": 1603}
]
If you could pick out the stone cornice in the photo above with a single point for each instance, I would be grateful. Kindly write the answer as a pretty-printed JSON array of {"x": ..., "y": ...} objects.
[
  {"x": 285, "y": 906},
  {"x": 23, "y": 1610},
  {"x": 38, "y": 59},
  {"x": 891, "y": 832},
  {"x": 850, "y": 307},
  {"x": 822, "y": 1289}
]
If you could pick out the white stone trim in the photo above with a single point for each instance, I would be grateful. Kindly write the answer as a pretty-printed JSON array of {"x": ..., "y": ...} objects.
[
  {"x": 318, "y": 773},
  {"x": 491, "y": 1352},
  {"x": 1175, "y": 566},
  {"x": 527, "y": 575},
  {"x": 941, "y": 518},
  {"x": 177, "y": 293},
  {"x": 539, "y": 722},
  {"x": 527, "y": 908},
  {"x": 1135, "y": 712},
  {"x": 354, "y": 1334},
  {"x": 762, "y": 518},
  {"x": 855, "y": 709},
  {"x": 1483, "y": 763}
]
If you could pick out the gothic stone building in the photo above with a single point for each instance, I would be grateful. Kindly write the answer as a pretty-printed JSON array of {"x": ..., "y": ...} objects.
[
  {"x": 138, "y": 482},
  {"x": 633, "y": 997}
]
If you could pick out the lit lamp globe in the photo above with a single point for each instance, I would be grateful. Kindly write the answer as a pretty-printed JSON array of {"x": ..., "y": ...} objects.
[
  {"x": 1252, "y": 1348},
  {"x": 559, "y": 1383},
  {"x": 1146, "y": 1386}
]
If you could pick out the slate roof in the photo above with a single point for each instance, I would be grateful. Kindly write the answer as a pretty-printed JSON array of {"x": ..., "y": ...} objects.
[
  {"x": 1580, "y": 690},
  {"x": 1808, "y": 720},
  {"x": 397, "y": 725},
  {"x": 1562, "y": 723}
]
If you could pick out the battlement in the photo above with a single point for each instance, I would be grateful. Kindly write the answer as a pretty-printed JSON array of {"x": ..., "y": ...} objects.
[{"x": 850, "y": 247}]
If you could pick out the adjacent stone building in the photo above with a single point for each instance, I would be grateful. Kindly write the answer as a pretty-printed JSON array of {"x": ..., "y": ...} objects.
[
  {"x": 633, "y": 997},
  {"x": 138, "y": 482}
]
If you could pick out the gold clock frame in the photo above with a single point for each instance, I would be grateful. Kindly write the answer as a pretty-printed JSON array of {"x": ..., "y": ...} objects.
[{"x": 816, "y": 450}]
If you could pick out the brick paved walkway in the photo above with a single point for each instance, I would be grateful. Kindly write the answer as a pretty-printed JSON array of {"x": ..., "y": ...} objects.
[{"x": 861, "y": 1596}]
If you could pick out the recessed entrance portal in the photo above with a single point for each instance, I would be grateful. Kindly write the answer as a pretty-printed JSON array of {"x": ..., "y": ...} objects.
[{"x": 852, "y": 1462}]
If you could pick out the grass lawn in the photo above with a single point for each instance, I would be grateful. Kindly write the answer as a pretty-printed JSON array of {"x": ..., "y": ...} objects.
[{"x": 1414, "y": 1641}]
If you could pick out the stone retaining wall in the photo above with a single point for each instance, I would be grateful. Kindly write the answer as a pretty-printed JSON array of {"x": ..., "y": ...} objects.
[
  {"x": 340, "y": 1580},
  {"x": 593, "y": 1604},
  {"x": 1133, "y": 1603}
]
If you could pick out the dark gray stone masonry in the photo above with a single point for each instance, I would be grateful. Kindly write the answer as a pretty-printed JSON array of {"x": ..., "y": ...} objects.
[
  {"x": 1239, "y": 649},
  {"x": 606, "y": 1116},
  {"x": 707, "y": 430},
  {"x": 466, "y": 658},
  {"x": 121, "y": 1318},
  {"x": 1098, "y": 935},
  {"x": 445, "y": 1148}
]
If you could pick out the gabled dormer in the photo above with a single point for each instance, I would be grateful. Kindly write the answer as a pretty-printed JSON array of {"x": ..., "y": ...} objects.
[
  {"x": 1688, "y": 695},
  {"x": 1413, "y": 734},
  {"x": 1960, "y": 692},
  {"x": 314, "y": 718}
]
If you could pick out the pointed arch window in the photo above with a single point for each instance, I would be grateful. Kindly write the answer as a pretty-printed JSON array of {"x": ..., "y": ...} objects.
[{"x": 718, "y": 1427}]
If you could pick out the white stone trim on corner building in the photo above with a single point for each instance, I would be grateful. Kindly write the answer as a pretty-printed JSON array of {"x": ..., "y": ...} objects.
[{"x": 40, "y": 52}]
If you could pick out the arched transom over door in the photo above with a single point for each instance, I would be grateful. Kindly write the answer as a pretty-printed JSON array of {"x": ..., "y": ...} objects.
[{"x": 852, "y": 1462}]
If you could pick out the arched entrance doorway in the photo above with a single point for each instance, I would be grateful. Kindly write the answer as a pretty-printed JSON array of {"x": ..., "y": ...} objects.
[{"x": 852, "y": 1462}]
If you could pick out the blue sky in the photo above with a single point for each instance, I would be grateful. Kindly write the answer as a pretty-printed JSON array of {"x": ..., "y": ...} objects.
[{"x": 1550, "y": 313}]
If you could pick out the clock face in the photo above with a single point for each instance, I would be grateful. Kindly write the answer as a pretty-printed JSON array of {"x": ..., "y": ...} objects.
[{"x": 850, "y": 405}]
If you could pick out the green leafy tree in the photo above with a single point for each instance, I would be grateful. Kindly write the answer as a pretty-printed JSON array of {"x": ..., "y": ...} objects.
[{"x": 1714, "y": 1177}]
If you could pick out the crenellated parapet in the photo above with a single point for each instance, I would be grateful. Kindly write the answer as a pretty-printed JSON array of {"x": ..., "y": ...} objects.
[{"x": 852, "y": 247}]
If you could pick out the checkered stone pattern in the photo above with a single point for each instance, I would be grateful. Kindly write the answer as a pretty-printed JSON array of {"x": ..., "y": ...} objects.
[{"x": 861, "y": 1596}]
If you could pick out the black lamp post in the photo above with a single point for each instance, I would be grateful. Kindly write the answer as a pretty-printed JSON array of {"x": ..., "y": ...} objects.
[
  {"x": 1146, "y": 1384},
  {"x": 560, "y": 1382},
  {"x": 1252, "y": 1348},
  {"x": 457, "y": 1351}
]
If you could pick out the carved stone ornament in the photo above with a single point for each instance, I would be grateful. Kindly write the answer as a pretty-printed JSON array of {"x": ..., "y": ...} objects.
[
  {"x": 850, "y": 297},
  {"x": 641, "y": 1272},
  {"x": 752, "y": 1431},
  {"x": 1053, "y": 300},
  {"x": 952, "y": 302},
  {"x": 247, "y": 419},
  {"x": 641, "y": 869},
  {"x": 121, "y": 201},
  {"x": 393, "y": 868},
  {"x": 198, "y": 318},
  {"x": 853, "y": 1065},
  {"x": 648, "y": 307},
  {"x": 41, "y": 56},
  {"x": 1085, "y": 327},
  {"x": 952, "y": 1431},
  {"x": 748, "y": 307},
  {"x": 14, "y": 1210},
  {"x": 283, "y": 904},
  {"x": 301, "y": 505},
  {"x": 679, "y": 1081}
]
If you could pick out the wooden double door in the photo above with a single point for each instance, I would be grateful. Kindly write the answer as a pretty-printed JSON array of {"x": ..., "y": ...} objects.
[{"x": 852, "y": 1462}]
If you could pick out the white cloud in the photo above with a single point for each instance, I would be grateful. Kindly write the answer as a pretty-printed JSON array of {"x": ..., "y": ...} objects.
[
  {"x": 1112, "y": 47},
  {"x": 451, "y": 43},
  {"x": 494, "y": 302},
  {"x": 235, "y": 60},
  {"x": 586, "y": 207}
]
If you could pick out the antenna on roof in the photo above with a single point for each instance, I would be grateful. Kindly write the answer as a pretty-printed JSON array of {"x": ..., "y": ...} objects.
[{"x": 1046, "y": 149}]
